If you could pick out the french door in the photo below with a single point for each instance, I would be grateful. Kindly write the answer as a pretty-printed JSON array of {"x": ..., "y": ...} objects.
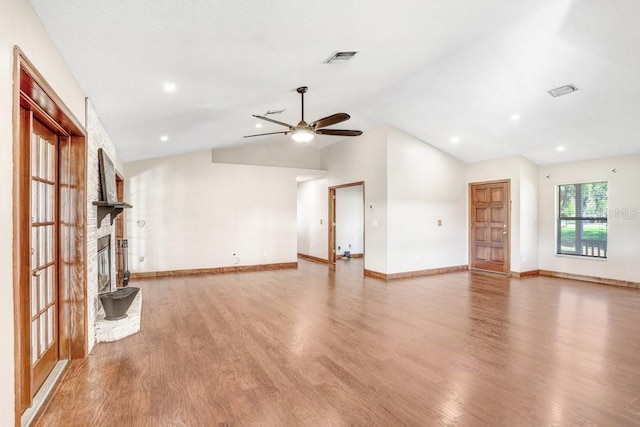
[
  {"x": 489, "y": 232},
  {"x": 49, "y": 237},
  {"x": 43, "y": 286}
]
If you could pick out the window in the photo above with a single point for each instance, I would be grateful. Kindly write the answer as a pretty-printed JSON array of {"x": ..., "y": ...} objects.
[{"x": 582, "y": 219}]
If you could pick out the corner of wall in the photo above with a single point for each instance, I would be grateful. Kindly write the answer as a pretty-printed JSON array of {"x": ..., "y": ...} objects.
[
  {"x": 426, "y": 202},
  {"x": 528, "y": 216}
]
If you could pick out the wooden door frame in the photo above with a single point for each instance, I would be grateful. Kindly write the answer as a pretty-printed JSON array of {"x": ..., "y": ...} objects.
[
  {"x": 31, "y": 92},
  {"x": 507, "y": 252},
  {"x": 119, "y": 232},
  {"x": 332, "y": 219}
]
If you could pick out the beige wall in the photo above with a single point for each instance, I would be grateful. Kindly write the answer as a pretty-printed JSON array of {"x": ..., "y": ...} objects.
[
  {"x": 19, "y": 25},
  {"x": 528, "y": 256},
  {"x": 283, "y": 152},
  {"x": 424, "y": 185},
  {"x": 313, "y": 212},
  {"x": 409, "y": 185},
  {"x": 197, "y": 214},
  {"x": 364, "y": 158},
  {"x": 623, "y": 223},
  {"x": 349, "y": 219}
]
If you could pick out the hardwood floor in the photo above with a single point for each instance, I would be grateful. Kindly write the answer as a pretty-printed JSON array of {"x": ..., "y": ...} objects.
[{"x": 318, "y": 347}]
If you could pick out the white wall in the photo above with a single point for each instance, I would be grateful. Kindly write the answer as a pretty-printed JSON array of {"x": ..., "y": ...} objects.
[
  {"x": 97, "y": 138},
  {"x": 283, "y": 152},
  {"x": 623, "y": 223},
  {"x": 528, "y": 254},
  {"x": 364, "y": 158},
  {"x": 424, "y": 185},
  {"x": 19, "y": 25},
  {"x": 350, "y": 219},
  {"x": 313, "y": 237},
  {"x": 197, "y": 214}
]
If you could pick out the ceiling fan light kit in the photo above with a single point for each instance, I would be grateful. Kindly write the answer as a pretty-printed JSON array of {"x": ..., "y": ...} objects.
[
  {"x": 302, "y": 135},
  {"x": 305, "y": 132}
]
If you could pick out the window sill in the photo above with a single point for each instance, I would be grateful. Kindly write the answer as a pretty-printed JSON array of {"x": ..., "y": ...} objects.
[{"x": 590, "y": 258}]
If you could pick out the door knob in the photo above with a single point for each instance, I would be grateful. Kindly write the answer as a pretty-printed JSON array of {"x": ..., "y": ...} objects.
[
  {"x": 36, "y": 273},
  {"x": 504, "y": 232}
]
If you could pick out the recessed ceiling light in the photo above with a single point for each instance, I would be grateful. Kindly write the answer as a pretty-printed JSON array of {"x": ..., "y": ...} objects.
[
  {"x": 164, "y": 138},
  {"x": 515, "y": 117},
  {"x": 454, "y": 140},
  {"x": 559, "y": 148},
  {"x": 258, "y": 125},
  {"x": 169, "y": 87}
]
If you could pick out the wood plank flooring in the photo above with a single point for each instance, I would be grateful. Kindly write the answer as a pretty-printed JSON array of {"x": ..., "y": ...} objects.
[{"x": 315, "y": 347}]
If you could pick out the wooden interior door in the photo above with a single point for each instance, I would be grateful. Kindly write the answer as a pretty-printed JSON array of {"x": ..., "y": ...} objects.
[
  {"x": 43, "y": 286},
  {"x": 489, "y": 235}
]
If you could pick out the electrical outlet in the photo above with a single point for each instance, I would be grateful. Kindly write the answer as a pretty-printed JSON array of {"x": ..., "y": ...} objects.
[
  {"x": 439, "y": 223},
  {"x": 141, "y": 259}
]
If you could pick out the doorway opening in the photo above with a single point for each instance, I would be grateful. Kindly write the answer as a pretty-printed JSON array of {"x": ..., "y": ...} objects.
[
  {"x": 490, "y": 227},
  {"x": 346, "y": 222}
]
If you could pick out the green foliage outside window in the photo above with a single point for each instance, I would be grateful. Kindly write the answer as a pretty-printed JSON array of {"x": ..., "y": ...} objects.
[{"x": 582, "y": 219}]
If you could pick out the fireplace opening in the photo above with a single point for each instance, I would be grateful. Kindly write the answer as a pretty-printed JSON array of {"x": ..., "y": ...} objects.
[{"x": 104, "y": 264}]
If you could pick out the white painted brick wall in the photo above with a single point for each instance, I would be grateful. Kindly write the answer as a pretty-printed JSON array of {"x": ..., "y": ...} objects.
[{"x": 97, "y": 137}]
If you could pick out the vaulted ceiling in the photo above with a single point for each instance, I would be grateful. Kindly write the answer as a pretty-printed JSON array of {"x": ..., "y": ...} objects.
[{"x": 469, "y": 77}]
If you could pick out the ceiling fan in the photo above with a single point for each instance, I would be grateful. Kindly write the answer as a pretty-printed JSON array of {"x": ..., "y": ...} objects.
[{"x": 305, "y": 132}]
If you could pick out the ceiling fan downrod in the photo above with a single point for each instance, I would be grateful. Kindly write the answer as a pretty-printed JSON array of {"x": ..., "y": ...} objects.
[{"x": 302, "y": 90}]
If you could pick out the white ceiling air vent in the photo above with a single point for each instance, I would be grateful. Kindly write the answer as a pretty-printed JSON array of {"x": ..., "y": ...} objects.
[
  {"x": 562, "y": 90},
  {"x": 340, "y": 57}
]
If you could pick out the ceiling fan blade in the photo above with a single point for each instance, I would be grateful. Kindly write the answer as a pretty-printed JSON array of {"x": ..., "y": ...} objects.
[
  {"x": 263, "y": 134},
  {"x": 339, "y": 132},
  {"x": 273, "y": 121},
  {"x": 330, "y": 120}
]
